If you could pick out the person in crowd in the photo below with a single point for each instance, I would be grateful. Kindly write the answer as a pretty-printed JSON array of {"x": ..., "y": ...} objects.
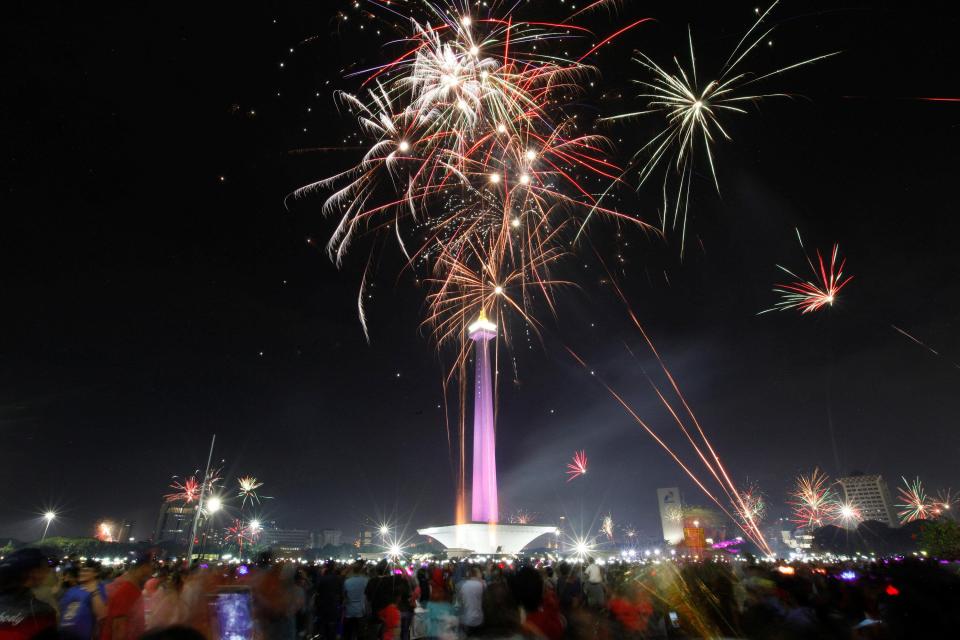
[
  {"x": 125, "y": 618},
  {"x": 407, "y": 594},
  {"x": 470, "y": 601},
  {"x": 84, "y": 606},
  {"x": 22, "y": 614},
  {"x": 542, "y": 617},
  {"x": 328, "y": 597},
  {"x": 355, "y": 604},
  {"x": 593, "y": 587}
]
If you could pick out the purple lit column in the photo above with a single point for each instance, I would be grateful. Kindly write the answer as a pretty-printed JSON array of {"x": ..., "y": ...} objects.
[{"x": 484, "y": 492}]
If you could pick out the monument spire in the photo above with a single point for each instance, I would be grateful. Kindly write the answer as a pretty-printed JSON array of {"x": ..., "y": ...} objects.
[{"x": 484, "y": 503}]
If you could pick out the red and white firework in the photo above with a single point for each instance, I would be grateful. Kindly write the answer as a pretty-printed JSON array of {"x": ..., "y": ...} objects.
[{"x": 578, "y": 466}]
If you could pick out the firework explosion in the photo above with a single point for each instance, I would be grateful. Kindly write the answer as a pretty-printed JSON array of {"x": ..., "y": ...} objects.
[
  {"x": 186, "y": 491},
  {"x": 578, "y": 466},
  {"x": 694, "y": 111},
  {"x": 608, "y": 527},
  {"x": 522, "y": 516},
  {"x": 472, "y": 161},
  {"x": 105, "y": 532},
  {"x": 849, "y": 514},
  {"x": 944, "y": 501},
  {"x": 675, "y": 513},
  {"x": 248, "y": 490},
  {"x": 914, "y": 505},
  {"x": 812, "y": 295},
  {"x": 813, "y": 501},
  {"x": 754, "y": 507}
]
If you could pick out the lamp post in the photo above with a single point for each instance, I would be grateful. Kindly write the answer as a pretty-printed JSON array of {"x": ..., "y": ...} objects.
[
  {"x": 49, "y": 516},
  {"x": 196, "y": 515}
]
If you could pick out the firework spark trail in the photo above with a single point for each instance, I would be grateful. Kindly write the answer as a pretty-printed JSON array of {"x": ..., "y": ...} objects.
[
  {"x": 750, "y": 530},
  {"x": 813, "y": 501},
  {"x": 693, "y": 116},
  {"x": 701, "y": 446},
  {"x": 812, "y": 295},
  {"x": 715, "y": 467},
  {"x": 578, "y": 466},
  {"x": 916, "y": 340},
  {"x": 915, "y": 505}
]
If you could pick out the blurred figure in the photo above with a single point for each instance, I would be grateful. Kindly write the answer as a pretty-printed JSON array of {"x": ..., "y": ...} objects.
[
  {"x": 125, "y": 618},
  {"x": 593, "y": 588},
  {"x": 501, "y": 615},
  {"x": 276, "y": 600},
  {"x": 543, "y": 618},
  {"x": 355, "y": 606},
  {"x": 22, "y": 615},
  {"x": 470, "y": 599},
  {"x": 328, "y": 596},
  {"x": 84, "y": 606}
]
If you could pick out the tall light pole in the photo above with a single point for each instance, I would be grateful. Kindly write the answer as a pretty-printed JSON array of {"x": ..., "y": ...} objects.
[
  {"x": 49, "y": 516},
  {"x": 203, "y": 489}
]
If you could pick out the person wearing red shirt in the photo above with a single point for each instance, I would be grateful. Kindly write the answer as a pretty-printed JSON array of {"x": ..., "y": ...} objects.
[{"x": 125, "y": 611}]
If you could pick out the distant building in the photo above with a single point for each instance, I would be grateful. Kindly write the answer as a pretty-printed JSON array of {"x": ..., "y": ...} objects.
[
  {"x": 174, "y": 523},
  {"x": 671, "y": 514},
  {"x": 287, "y": 542},
  {"x": 797, "y": 541},
  {"x": 871, "y": 496},
  {"x": 329, "y": 537},
  {"x": 367, "y": 537}
]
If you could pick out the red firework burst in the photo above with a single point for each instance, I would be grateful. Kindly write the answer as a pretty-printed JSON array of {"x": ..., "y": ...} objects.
[
  {"x": 814, "y": 294},
  {"x": 187, "y": 491},
  {"x": 578, "y": 466}
]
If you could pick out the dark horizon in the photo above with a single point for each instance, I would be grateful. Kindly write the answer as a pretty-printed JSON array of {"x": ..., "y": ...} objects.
[{"x": 158, "y": 291}]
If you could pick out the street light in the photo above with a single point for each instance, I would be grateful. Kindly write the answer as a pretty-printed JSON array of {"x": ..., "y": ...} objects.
[
  {"x": 214, "y": 504},
  {"x": 49, "y": 516}
]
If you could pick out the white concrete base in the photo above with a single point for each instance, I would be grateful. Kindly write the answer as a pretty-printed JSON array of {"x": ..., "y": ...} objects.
[{"x": 486, "y": 539}]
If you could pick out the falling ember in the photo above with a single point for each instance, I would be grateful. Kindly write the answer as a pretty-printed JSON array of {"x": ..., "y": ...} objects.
[
  {"x": 812, "y": 295},
  {"x": 578, "y": 466},
  {"x": 914, "y": 505}
]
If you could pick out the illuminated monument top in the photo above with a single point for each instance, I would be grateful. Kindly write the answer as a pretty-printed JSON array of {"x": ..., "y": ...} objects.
[{"x": 484, "y": 535}]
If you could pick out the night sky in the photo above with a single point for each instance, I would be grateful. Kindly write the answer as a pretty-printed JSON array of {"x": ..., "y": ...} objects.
[{"x": 156, "y": 290}]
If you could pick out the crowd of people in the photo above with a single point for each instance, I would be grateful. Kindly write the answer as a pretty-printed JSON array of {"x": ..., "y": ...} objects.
[{"x": 496, "y": 599}]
